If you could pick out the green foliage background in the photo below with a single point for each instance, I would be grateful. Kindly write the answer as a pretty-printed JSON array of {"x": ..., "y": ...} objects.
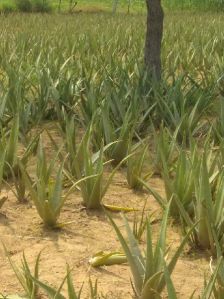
[{"x": 135, "y": 5}]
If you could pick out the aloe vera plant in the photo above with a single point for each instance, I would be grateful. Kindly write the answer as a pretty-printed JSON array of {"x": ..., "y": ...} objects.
[
  {"x": 139, "y": 225},
  {"x": 74, "y": 162},
  {"x": 94, "y": 187},
  {"x": 209, "y": 290},
  {"x": 218, "y": 126},
  {"x": 179, "y": 181},
  {"x": 215, "y": 286},
  {"x": 93, "y": 289},
  {"x": 148, "y": 269},
  {"x": 119, "y": 137},
  {"x": 208, "y": 205},
  {"x": 9, "y": 145},
  {"x": 46, "y": 191},
  {"x": 166, "y": 149},
  {"x": 86, "y": 166},
  {"x": 135, "y": 166},
  {"x": 24, "y": 274},
  {"x": 56, "y": 293},
  {"x": 19, "y": 188},
  {"x": 182, "y": 107},
  {"x": 31, "y": 283},
  {"x": 179, "y": 178},
  {"x": 2, "y": 163}
]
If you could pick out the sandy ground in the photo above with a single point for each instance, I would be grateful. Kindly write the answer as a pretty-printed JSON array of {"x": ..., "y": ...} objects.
[{"x": 21, "y": 231}]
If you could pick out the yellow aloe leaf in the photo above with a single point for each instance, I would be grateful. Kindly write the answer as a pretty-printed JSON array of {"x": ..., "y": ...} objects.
[
  {"x": 118, "y": 209},
  {"x": 103, "y": 258}
]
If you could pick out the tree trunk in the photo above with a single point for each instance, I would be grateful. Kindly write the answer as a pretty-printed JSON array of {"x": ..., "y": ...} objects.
[
  {"x": 115, "y": 4},
  {"x": 154, "y": 36}
]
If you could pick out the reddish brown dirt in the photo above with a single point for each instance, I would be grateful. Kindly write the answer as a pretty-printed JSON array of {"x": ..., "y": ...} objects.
[{"x": 21, "y": 230}]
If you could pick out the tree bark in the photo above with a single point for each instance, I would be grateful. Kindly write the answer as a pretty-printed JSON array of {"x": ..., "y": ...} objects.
[
  {"x": 115, "y": 5},
  {"x": 154, "y": 34}
]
